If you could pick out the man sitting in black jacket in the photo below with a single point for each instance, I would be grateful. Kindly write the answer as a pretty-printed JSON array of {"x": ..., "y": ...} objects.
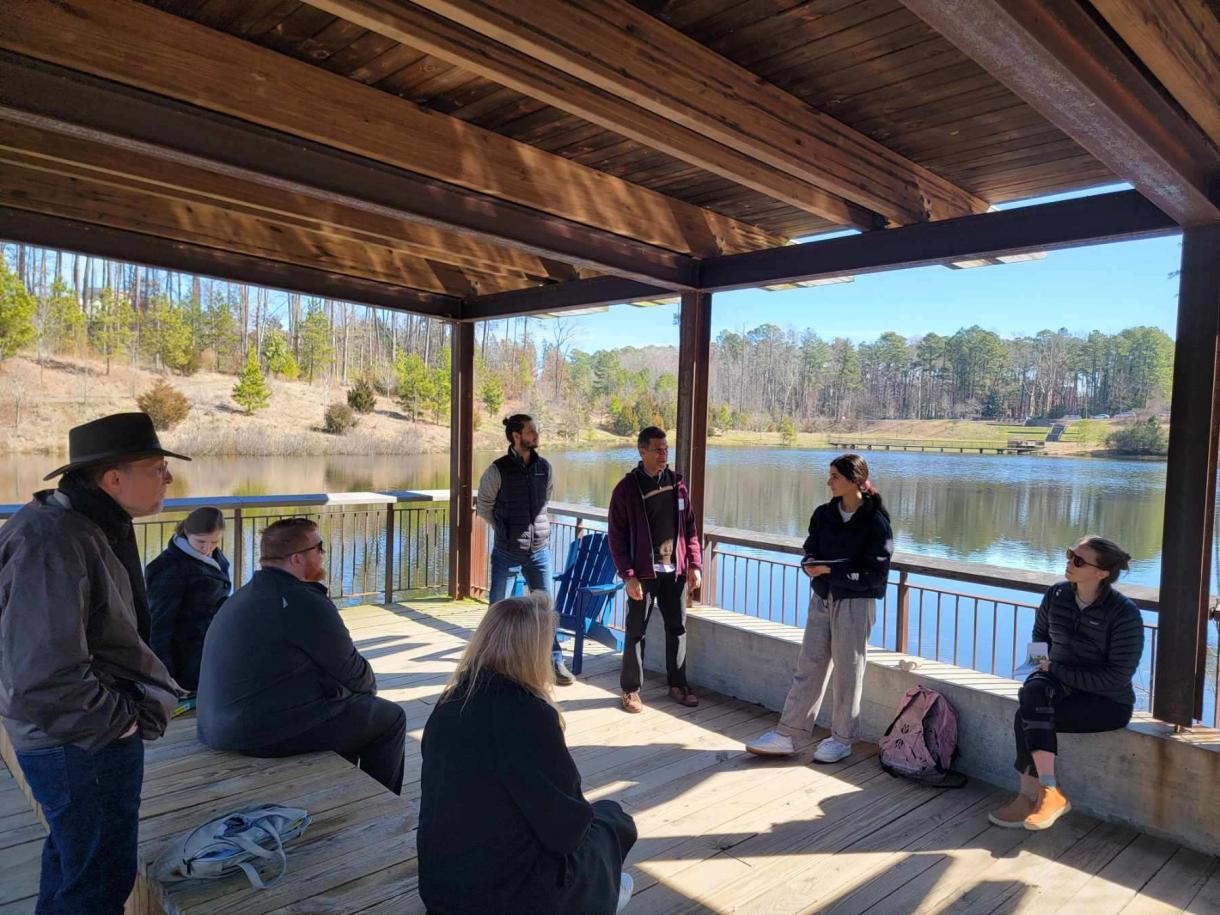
[{"x": 280, "y": 675}]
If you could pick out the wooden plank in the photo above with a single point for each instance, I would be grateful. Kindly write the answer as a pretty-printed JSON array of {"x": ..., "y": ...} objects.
[
  {"x": 138, "y": 46},
  {"x": 1060, "y": 61},
  {"x": 622, "y": 50},
  {"x": 1120, "y": 880},
  {"x": 80, "y": 151},
  {"x": 1175, "y": 885},
  {"x": 83, "y": 198},
  {"x": 138, "y": 124},
  {"x": 508, "y": 67},
  {"x": 1179, "y": 41},
  {"x": 99, "y": 241}
]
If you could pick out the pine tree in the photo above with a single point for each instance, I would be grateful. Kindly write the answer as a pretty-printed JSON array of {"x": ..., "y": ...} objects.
[
  {"x": 59, "y": 323},
  {"x": 112, "y": 325},
  {"x": 251, "y": 391},
  {"x": 491, "y": 392},
  {"x": 16, "y": 313},
  {"x": 279, "y": 356},
  {"x": 414, "y": 384},
  {"x": 315, "y": 342},
  {"x": 166, "y": 335}
]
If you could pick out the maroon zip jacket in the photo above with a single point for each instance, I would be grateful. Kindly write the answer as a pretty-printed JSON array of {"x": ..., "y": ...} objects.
[{"x": 631, "y": 541}]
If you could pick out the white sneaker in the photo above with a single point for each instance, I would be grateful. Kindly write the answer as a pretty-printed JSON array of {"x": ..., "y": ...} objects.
[
  {"x": 771, "y": 743},
  {"x": 626, "y": 886},
  {"x": 831, "y": 750}
]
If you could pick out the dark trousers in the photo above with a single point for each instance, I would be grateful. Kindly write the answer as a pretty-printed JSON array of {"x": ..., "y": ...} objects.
[
  {"x": 1048, "y": 708},
  {"x": 92, "y": 803},
  {"x": 371, "y": 732},
  {"x": 668, "y": 592}
]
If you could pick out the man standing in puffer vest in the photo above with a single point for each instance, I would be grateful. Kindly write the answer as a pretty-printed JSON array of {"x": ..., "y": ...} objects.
[{"x": 513, "y": 496}]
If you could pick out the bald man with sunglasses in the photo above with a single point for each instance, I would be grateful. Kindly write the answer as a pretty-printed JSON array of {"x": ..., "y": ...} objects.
[{"x": 280, "y": 674}]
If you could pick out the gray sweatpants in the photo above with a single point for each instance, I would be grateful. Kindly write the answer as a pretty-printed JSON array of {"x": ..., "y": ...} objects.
[{"x": 836, "y": 636}]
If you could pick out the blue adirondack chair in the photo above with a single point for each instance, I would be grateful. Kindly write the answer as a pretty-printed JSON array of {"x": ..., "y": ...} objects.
[{"x": 585, "y": 590}]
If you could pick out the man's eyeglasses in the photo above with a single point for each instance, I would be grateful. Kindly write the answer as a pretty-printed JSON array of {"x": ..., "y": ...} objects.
[
  {"x": 319, "y": 546},
  {"x": 1079, "y": 561}
]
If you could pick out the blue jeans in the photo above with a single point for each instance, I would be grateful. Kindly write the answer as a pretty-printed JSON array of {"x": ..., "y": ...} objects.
[
  {"x": 92, "y": 803},
  {"x": 536, "y": 569}
]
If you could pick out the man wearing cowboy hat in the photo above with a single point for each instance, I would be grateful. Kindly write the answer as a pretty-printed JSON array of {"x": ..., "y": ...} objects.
[{"x": 79, "y": 687}]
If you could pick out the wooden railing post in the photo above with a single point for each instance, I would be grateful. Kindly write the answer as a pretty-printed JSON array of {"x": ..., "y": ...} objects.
[
  {"x": 389, "y": 552},
  {"x": 903, "y": 617}
]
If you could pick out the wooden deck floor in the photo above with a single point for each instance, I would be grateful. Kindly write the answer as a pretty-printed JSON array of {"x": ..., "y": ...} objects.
[{"x": 720, "y": 831}]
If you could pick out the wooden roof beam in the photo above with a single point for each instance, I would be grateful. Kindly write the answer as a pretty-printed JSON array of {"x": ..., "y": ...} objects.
[
  {"x": 1054, "y": 56},
  {"x": 140, "y": 46},
  {"x": 321, "y": 183},
  {"x": 1179, "y": 41},
  {"x": 152, "y": 251},
  {"x": 620, "y": 49},
  {"x": 410, "y": 25},
  {"x": 1120, "y": 216}
]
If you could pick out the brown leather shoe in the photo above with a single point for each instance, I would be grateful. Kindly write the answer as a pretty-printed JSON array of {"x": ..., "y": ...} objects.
[
  {"x": 1012, "y": 815},
  {"x": 633, "y": 703},
  {"x": 683, "y": 696}
]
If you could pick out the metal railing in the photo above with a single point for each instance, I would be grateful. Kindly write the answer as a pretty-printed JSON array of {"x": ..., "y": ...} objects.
[{"x": 384, "y": 546}]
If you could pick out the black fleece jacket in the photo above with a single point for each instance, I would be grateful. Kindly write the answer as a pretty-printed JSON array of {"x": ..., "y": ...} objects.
[
  {"x": 1097, "y": 649},
  {"x": 865, "y": 544}
]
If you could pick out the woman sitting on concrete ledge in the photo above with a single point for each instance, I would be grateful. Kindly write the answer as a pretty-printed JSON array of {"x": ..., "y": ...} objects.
[
  {"x": 503, "y": 825},
  {"x": 1095, "y": 637}
]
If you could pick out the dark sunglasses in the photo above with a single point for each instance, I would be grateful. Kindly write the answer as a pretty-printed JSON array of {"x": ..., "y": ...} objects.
[{"x": 1079, "y": 561}]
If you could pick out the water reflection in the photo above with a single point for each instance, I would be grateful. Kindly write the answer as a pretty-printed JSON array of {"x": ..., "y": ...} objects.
[{"x": 1017, "y": 511}]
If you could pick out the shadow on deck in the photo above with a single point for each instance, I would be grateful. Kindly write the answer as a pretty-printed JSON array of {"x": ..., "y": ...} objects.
[{"x": 719, "y": 830}]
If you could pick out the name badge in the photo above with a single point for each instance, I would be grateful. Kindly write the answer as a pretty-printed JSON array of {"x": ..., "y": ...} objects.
[{"x": 681, "y": 505}]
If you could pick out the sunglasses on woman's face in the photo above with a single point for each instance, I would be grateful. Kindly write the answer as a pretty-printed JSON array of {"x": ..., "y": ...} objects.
[{"x": 1079, "y": 561}]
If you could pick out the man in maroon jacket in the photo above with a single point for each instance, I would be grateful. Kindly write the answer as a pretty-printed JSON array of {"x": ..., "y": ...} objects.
[{"x": 655, "y": 546}]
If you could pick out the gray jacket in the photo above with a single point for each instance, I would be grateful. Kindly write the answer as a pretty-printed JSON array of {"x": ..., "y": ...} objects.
[{"x": 73, "y": 668}]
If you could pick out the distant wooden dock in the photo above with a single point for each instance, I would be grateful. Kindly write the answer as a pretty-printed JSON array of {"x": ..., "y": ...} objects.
[{"x": 1011, "y": 447}]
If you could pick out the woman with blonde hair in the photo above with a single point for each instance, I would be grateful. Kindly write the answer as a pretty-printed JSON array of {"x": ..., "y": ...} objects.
[{"x": 503, "y": 825}]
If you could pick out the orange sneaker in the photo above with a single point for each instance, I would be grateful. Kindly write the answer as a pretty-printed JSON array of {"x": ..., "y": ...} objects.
[
  {"x": 1012, "y": 815},
  {"x": 633, "y": 703},
  {"x": 1051, "y": 806}
]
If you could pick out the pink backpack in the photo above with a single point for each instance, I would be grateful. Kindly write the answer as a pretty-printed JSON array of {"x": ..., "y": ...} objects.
[{"x": 921, "y": 741}]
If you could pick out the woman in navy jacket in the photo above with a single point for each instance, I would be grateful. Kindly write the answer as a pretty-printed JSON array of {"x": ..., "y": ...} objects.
[
  {"x": 187, "y": 584},
  {"x": 503, "y": 824},
  {"x": 847, "y": 559}
]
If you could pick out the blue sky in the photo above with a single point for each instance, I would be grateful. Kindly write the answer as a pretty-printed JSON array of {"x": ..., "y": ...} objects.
[{"x": 1102, "y": 287}]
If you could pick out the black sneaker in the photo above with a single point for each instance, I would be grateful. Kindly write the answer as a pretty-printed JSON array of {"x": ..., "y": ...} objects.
[{"x": 563, "y": 676}]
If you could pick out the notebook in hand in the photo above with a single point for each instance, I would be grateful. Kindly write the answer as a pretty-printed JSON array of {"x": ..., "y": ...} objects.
[{"x": 1034, "y": 654}]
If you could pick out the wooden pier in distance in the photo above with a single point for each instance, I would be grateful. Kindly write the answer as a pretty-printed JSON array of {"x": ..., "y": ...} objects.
[{"x": 946, "y": 447}]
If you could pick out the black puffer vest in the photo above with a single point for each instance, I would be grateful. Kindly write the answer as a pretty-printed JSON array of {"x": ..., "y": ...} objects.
[{"x": 521, "y": 520}]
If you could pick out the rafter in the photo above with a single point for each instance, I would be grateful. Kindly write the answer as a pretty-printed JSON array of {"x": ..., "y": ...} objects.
[
  {"x": 1055, "y": 57},
  {"x": 152, "y": 251},
  {"x": 620, "y": 49},
  {"x": 1179, "y": 41},
  {"x": 143, "y": 47},
  {"x": 455, "y": 44}
]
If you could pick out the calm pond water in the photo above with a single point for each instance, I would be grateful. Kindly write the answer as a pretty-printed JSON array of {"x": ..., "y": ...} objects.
[{"x": 1009, "y": 511}]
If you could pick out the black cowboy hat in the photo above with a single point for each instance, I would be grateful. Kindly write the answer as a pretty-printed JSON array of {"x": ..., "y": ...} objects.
[{"x": 117, "y": 438}]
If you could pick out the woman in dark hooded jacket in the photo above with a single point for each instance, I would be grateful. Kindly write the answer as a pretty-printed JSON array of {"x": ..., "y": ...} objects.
[
  {"x": 847, "y": 559},
  {"x": 187, "y": 584}
]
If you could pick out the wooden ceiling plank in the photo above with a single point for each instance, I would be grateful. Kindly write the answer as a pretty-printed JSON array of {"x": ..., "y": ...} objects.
[
  {"x": 116, "y": 244},
  {"x": 1179, "y": 41},
  {"x": 200, "y": 223},
  {"x": 136, "y": 45},
  {"x": 621, "y": 50},
  {"x": 51, "y": 98},
  {"x": 460, "y": 46},
  {"x": 128, "y": 165},
  {"x": 1055, "y": 57}
]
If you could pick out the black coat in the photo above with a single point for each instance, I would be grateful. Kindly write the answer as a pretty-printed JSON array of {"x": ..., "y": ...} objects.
[
  {"x": 503, "y": 826},
  {"x": 184, "y": 594},
  {"x": 277, "y": 662},
  {"x": 866, "y": 543},
  {"x": 1097, "y": 649}
]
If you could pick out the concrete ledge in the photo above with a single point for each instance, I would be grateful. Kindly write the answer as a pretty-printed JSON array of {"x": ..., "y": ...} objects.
[{"x": 1144, "y": 776}]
